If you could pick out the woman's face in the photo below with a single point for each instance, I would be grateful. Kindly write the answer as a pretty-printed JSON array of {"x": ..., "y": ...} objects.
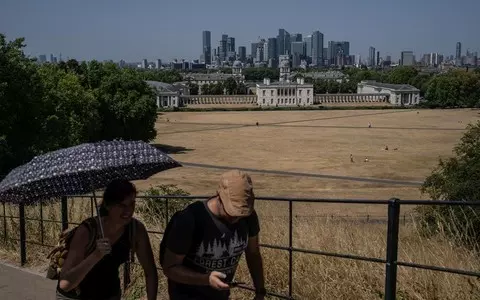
[{"x": 123, "y": 212}]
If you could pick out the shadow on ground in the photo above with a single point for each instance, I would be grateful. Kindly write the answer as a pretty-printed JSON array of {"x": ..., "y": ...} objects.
[{"x": 169, "y": 149}]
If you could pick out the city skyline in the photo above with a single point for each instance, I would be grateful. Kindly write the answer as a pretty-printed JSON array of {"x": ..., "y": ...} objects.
[{"x": 129, "y": 31}]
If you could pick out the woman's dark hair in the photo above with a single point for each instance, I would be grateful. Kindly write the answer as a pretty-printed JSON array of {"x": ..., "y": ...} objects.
[{"x": 116, "y": 192}]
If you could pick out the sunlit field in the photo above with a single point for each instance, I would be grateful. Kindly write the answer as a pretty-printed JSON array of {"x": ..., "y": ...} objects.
[{"x": 315, "y": 148}]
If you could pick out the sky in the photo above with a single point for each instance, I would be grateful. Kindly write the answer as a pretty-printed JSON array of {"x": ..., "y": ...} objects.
[{"x": 165, "y": 29}]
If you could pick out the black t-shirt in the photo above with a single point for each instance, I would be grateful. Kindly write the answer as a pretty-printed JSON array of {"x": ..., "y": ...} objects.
[{"x": 209, "y": 244}]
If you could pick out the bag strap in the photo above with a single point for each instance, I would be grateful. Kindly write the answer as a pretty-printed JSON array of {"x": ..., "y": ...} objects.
[{"x": 132, "y": 228}]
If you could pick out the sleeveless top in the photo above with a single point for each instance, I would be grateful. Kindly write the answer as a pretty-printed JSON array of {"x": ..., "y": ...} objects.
[{"x": 103, "y": 281}]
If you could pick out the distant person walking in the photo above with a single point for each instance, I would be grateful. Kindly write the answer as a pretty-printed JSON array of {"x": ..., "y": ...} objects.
[
  {"x": 203, "y": 243},
  {"x": 93, "y": 274},
  {"x": 351, "y": 158}
]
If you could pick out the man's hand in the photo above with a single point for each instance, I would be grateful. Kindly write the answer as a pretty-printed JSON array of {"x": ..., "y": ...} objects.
[{"x": 215, "y": 281}]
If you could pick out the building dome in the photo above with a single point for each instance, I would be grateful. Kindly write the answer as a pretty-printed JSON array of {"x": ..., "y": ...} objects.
[{"x": 237, "y": 64}]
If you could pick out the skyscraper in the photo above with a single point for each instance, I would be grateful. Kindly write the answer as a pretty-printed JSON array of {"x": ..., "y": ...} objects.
[
  {"x": 337, "y": 51},
  {"x": 308, "y": 46},
  {"x": 298, "y": 52},
  {"x": 407, "y": 58},
  {"x": 242, "y": 53},
  {"x": 272, "y": 49},
  {"x": 207, "y": 47},
  {"x": 371, "y": 56},
  {"x": 317, "y": 48},
  {"x": 458, "y": 52},
  {"x": 296, "y": 37},
  {"x": 283, "y": 42},
  {"x": 253, "y": 51}
]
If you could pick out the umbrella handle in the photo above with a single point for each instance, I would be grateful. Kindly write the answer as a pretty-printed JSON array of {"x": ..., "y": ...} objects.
[{"x": 98, "y": 214}]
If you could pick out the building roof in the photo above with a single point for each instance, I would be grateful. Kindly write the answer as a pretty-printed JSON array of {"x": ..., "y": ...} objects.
[
  {"x": 389, "y": 86},
  {"x": 210, "y": 76},
  {"x": 284, "y": 84},
  {"x": 162, "y": 86}
]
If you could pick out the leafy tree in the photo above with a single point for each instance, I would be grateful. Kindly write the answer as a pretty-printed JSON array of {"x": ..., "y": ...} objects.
[
  {"x": 70, "y": 112},
  {"x": 230, "y": 86},
  {"x": 127, "y": 107},
  {"x": 454, "y": 89},
  {"x": 456, "y": 179},
  {"x": 401, "y": 75},
  {"x": 20, "y": 102}
]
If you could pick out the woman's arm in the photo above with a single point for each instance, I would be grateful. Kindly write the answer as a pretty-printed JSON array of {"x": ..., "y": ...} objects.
[
  {"x": 76, "y": 266},
  {"x": 145, "y": 257}
]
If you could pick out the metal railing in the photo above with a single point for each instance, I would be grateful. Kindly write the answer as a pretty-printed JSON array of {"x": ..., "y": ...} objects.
[{"x": 390, "y": 261}]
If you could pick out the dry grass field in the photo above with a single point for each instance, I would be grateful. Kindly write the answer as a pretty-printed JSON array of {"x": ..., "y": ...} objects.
[{"x": 315, "y": 144}]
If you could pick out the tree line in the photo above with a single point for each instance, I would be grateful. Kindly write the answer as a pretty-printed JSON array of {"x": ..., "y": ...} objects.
[{"x": 51, "y": 106}]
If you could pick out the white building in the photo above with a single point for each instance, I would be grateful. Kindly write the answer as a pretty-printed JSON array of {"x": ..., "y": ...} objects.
[
  {"x": 284, "y": 93},
  {"x": 399, "y": 94},
  {"x": 214, "y": 78},
  {"x": 168, "y": 95}
]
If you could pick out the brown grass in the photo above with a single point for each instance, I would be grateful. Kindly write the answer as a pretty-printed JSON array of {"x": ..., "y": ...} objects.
[{"x": 321, "y": 148}]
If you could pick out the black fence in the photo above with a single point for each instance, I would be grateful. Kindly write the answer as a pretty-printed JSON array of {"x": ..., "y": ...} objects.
[{"x": 390, "y": 261}]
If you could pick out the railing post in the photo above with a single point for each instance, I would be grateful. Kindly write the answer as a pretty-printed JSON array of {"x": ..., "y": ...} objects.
[
  {"x": 23, "y": 239},
  {"x": 5, "y": 223},
  {"x": 290, "y": 246},
  {"x": 64, "y": 213},
  {"x": 392, "y": 249},
  {"x": 42, "y": 234}
]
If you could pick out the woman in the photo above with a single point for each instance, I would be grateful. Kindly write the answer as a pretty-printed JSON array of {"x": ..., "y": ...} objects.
[{"x": 93, "y": 275}]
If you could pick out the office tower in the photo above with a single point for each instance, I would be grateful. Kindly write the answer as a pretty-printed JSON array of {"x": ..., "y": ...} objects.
[
  {"x": 337, "y": 51},
  {"x": 207, "y": 47},
  {"x": 242, "y": 53},
  {"x": 298, "y": 53},
  {"x": 371, "y": 56},
  {"x": 144, "y": 64},
  {"x": 230, "y": 44},
  {"x": 253, "y": 51},
  {"x": 260, "y": 55},
  {"x": 308, "y": 46},
  {"x": 222, "y": 48},
  {"x": 296, "y": 37},
  {"x": 378, "y": 58},
  {"x": 407, "y": 58},
  {"x": 317, "y": 48},
  {"x": 283, "y": 42},
  {"x": 272, "y": 49},
  {"x": 458, "y": 52},
  {"x": 158, "y": 64}
]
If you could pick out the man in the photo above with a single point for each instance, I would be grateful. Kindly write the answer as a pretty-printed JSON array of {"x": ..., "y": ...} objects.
[{"x": 207, "y": 240}]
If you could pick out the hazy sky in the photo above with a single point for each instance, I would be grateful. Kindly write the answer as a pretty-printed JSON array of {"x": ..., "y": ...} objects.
[{"x": 132, "y": 30}]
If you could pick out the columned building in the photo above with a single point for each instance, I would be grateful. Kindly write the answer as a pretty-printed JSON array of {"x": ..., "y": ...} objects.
[
  {"x": 168, "y": 95},
  {"x": 399, "y": 94}
]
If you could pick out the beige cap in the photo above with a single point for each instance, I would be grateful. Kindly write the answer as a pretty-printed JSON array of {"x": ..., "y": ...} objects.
[{"x": 236, "y": 192}]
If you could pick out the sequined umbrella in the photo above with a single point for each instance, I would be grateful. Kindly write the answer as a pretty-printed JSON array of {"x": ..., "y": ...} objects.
[{"x": 82, "y": 169}]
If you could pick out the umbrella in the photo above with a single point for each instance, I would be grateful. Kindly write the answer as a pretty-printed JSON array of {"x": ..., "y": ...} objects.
[{"x": 82, "y": 169}]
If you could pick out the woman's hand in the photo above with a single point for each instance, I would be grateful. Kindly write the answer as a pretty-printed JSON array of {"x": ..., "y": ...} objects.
[{"x": 103, "y": 248}]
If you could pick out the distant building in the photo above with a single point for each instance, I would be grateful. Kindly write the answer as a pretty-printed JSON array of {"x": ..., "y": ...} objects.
[
  {"x": 407, "y": 58},
  {"x": 42, "y": 58},
  {"x": 158, "y": 64},
  {"x": 207, "y": 47},
  {"x": 337, "y": 52},
  {"x": 201, "y": 79},
  {"x": 144, "y": 64},
  {"x": 284, "y": 92},
  {"x": 317, "y": 48},
  {"x": 399, "y": 94},
  {"x": 371, "y": 57},
  {"x": 242, "y": 53},
  {"x": 168, "y": 95}
]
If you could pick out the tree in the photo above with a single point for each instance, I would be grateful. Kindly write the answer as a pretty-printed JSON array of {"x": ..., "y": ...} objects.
[
  {"x": 230, "y": 86},
  {"x": 401, "y": 75},
  {"x": 454, "y": 89},
  {"x": 127, "y": 107},
  {"x": 456, "y": 179},
  {"x": 20, "y": 103}
]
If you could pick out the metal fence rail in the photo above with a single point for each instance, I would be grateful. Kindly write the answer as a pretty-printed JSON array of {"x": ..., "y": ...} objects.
[{"x": 390, "y": 261}]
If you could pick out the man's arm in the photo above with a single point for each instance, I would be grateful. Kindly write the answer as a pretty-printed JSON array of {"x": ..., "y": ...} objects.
[
  {"x": 255, "y": 264},
  {"x": 146, "y": 259},
  {"x": 173, "y": 268}
]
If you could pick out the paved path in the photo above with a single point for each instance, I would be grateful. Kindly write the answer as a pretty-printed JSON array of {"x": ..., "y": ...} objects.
[{"x": 21, "y": 284}]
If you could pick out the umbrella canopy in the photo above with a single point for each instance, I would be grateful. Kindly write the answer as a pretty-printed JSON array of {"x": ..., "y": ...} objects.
[{"x": 82, "y": 169}]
